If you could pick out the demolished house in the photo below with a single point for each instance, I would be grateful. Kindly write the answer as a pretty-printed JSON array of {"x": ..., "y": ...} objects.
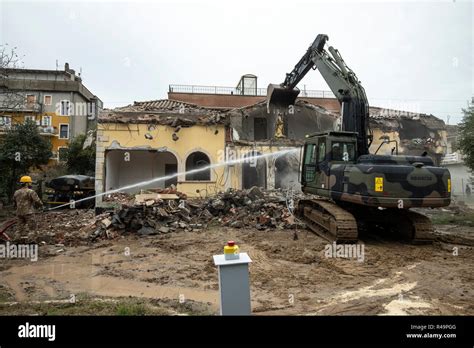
[
  {"x": 159, "y": 138},
  {"x": 257, "y": 131},
  {"x": 414, "y": 133},
  {"x": 152, "y": 139}
]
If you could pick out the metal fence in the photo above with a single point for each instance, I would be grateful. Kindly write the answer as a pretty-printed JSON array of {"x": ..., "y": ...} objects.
[
  {"x": 452, "y": 158},
  {"x": 196, "y": 89}
]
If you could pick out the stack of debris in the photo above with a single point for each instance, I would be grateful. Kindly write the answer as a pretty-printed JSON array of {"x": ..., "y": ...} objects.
[
  {"x": 70, "y": 227},
  {"x": 119, "y": 197},
  {"x": 255, "y": 207},
  {"x": 157, "y": 213},
  {"x": 161, "y": 212},
  {"x": 169, "y": 190}
]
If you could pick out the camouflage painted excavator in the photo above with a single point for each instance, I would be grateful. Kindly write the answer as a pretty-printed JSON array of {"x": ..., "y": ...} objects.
[{"x": 358, "y": 190}]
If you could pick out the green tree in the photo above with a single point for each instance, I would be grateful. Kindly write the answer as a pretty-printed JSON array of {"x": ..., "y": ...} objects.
[
  {"x": 22, "y": 148},
  {"x": 11, "y": 99},
  {"x": 466, "y": 142},
  {"x": 80, "y": 160}
]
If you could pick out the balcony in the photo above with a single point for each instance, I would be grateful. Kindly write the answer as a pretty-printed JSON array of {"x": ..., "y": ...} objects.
[
  {"x": 197, "y": 89},
  {"x": 18, "y": 106},
  {"x": 4, "y": 128},
  {"x": 43, "y": 130},
  {"x": 48, "y": 131},
  {"x": 452, "y": 158}
]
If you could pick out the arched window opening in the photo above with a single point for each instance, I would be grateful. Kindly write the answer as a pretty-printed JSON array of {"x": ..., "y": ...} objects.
[{"x": 198, "y": 160}]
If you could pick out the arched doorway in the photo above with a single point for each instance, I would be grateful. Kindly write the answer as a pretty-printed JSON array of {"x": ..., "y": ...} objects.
[{"x": 127, "y": 167}]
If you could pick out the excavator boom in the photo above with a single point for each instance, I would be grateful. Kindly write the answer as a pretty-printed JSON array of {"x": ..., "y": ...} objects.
[
  {"x": 286, "y": 93},
  {"x": 341, "y": 80}
]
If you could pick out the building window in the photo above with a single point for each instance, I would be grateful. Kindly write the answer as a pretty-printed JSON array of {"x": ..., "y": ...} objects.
[
  {"x": 321, "y": 150},
  {"x": 63, "y": 131},
  {"x": 30, "y": 118},
  {"x": 5, "y": 121},
  {"x": 343, "y": 151},
  {"x": 309, "y": 165},
  {"x": 198, "y": 160},
  {"x": 30, "y": 99},
  {"x": 62, "y": 154},
  {"x": 48, "y": 100},
  {"x": 46, "y": 121},
  {"x": 260, "y": 128},
  {"x": 65, "y": 108}
]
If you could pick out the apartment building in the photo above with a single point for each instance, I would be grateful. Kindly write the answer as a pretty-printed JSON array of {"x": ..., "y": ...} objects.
[{"x": 56, "y": 100}]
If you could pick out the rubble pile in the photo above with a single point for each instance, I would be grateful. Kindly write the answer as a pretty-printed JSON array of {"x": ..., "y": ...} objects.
[
  {"x": 65, "y": 227},
  {"x": 129, "y": 199},
  {"x": 162, "y": 211},
  {"x": 255, "y": 207},
  {"x": 169, "y": 190},
  {"x": 119, "y": 197},
  {"x": 169, "y": 211}
]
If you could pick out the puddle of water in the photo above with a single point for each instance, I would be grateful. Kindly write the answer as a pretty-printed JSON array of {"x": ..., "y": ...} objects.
[{"x": 76, "y": 277}]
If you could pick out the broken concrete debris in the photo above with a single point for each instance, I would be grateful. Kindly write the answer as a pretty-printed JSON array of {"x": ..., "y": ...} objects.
[
  {"x": 119, "y": 197},
  {"x": 160, "y": 213},
  {"x": 67, "y": 227}
]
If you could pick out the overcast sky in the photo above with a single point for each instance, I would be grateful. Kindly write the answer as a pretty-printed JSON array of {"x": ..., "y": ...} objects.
[{"x": 416, "y": 56}]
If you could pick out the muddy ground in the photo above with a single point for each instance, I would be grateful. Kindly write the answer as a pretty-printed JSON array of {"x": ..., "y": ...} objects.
[{"x": 174, "y": 274}]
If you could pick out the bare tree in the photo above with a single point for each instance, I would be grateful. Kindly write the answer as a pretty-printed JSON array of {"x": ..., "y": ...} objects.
[{"x": 10, "y": 100}]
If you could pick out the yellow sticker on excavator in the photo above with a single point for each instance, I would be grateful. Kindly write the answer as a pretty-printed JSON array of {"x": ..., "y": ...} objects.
[
  {"x": 449, "y": 185},
  {"x": 378, "y": 184}
]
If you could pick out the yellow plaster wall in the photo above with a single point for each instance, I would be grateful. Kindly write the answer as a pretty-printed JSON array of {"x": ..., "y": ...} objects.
[
  {"x": 439, "y": 147},
  {"x": 386, "y": 148},
  {"x": 191, "y": 139}
]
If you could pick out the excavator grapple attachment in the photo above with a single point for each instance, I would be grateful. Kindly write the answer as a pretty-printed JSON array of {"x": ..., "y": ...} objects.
[{"x": 280, "y": 97}]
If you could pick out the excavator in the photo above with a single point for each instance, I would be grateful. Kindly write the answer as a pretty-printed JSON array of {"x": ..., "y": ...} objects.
[{"x": 353, "y": 190}]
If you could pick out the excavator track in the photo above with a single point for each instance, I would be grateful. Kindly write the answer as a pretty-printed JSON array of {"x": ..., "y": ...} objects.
[
  {"x": 337, "y": 224},
  {"x": 329, "y": 220},
  {"x": 407, "y": 225},
  {"x": 420, "y": 229}
]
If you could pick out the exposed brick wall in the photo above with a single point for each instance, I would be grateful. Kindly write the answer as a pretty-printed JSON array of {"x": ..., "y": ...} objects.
[{"x": 235, "y": 101}]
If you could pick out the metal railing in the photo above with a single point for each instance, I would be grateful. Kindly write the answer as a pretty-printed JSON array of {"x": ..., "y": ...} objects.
[
  {"x": 47, "y": 130},
  {"x": 197, "y": 89},
  {"x": 43, "y": 130},
  {"x": 452, "y": 158}
]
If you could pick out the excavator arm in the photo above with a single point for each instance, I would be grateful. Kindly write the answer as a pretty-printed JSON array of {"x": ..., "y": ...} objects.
[{"x": 341, "y": 80}]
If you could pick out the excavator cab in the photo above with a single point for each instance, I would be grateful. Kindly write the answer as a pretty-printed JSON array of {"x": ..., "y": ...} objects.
[{"x": 321, "y": 151}]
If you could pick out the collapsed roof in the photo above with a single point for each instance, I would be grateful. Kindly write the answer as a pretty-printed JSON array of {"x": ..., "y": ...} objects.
[
  {"x": 166, "y": 112},
  {"x": 283, "y": 128},
  {"x": 246, "y": 110},
  {"x": 174, "y": 113},
  {"x": 389, "y": 119}
]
